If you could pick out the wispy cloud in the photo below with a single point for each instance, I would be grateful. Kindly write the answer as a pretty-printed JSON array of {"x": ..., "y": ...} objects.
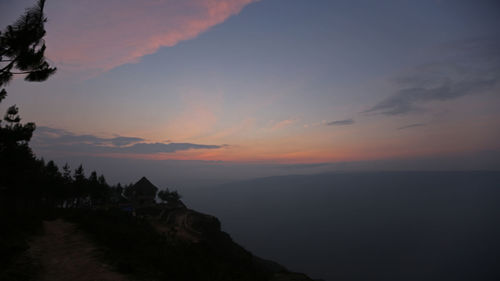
[
  {"x": 123, "y": 141},
  {"x": 100, "y": 35},
  {"x": 470, "y": 67},
  {"x": 283, "y": 124},
  {"x": 63, "y": 137},
  {"x": 411, "y": 126},
  {"x": 341, "y": 122},
  {"x": 50, "y": 139}
]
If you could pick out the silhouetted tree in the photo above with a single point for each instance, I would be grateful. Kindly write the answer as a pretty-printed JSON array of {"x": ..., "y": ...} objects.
[
  {"x": 68, "y": 186},
  {"x": 98, "y": 189},
  {"x": 174, "y": 196},
  {"x": 67, "y": 174},
  {"x": 79, "y": 174},
  {"x": 119, "y": 188},
  {"x": 17, "y": 161},
  {"x": 14, "y": 133},
  {"x": 93, "y": 186},
  {"x": 169, "y": 196},
  {"x": 79, "y": 183},
  {"x": 104, "y": 190},
  {"x": 162, "y": 194},
  {"x": 21, "y": 52},
  {"x": 115, "y": 194},
  {"x": 22, "y": 47},
  {"x": 128, "y": 191},
  {"x": 51, "y": 183}
]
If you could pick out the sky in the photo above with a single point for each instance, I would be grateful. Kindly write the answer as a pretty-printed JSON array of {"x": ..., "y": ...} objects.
[{"x": 269, "y": 82}]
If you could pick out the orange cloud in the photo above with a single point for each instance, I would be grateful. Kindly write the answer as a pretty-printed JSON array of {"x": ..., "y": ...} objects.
[{"x": 100, "y": 35}]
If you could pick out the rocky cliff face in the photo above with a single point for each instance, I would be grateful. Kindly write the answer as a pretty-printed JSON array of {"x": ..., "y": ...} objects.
[{"x": 205, "y": 231}]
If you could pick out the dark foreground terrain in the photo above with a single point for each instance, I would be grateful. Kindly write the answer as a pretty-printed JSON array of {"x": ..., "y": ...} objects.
[{"x": 160, "y": 243}]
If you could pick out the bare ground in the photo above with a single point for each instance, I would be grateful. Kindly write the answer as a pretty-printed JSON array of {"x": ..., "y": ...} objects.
[{"x": 64, "y": 253}]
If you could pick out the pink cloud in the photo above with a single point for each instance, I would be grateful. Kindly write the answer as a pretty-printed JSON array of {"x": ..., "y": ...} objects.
[{"x": 100, "y": 35}]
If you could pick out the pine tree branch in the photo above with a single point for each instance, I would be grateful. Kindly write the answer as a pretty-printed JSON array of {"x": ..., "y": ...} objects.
[{"x": 9, "y": 66}]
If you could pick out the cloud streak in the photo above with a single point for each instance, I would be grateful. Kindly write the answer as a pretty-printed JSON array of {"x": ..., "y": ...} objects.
[
  {"x": 408, "y": 100},
  {"x": 63, "y": 137},
  {"x": 411, "y": 126},
  {"x": 473, "y": 67},
  {"x": 50, "y": 139},
  {"x": 101, "y": 35},
  {"x": 341, "y": 122}
]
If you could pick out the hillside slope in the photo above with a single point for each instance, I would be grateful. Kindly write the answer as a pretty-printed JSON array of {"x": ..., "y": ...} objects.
[{"x": 159, "y": 243}]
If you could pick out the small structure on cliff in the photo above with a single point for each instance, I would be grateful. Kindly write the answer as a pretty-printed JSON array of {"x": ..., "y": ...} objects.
[{"x": 142, "y": 193}]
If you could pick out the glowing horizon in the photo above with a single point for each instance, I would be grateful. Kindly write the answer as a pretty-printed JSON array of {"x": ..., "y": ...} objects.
[{"x": 265, "y": 81}]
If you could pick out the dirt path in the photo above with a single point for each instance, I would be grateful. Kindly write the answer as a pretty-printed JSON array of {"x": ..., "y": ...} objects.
[{"x": 64, "y": 253}]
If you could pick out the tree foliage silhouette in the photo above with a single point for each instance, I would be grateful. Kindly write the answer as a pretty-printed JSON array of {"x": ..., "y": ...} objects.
[
  {"x": 24, "y": 179},
  {"x": 22, "y": 51},
  {"x": 22, "y": 47},
  {"x": 169, "y": 196}
]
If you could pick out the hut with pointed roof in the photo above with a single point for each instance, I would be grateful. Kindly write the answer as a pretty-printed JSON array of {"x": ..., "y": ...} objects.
[{"x": 144, "y": 192}]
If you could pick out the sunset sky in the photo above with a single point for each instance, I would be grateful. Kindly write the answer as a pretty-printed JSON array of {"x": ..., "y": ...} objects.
[{"x": 270, "y": 81}]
